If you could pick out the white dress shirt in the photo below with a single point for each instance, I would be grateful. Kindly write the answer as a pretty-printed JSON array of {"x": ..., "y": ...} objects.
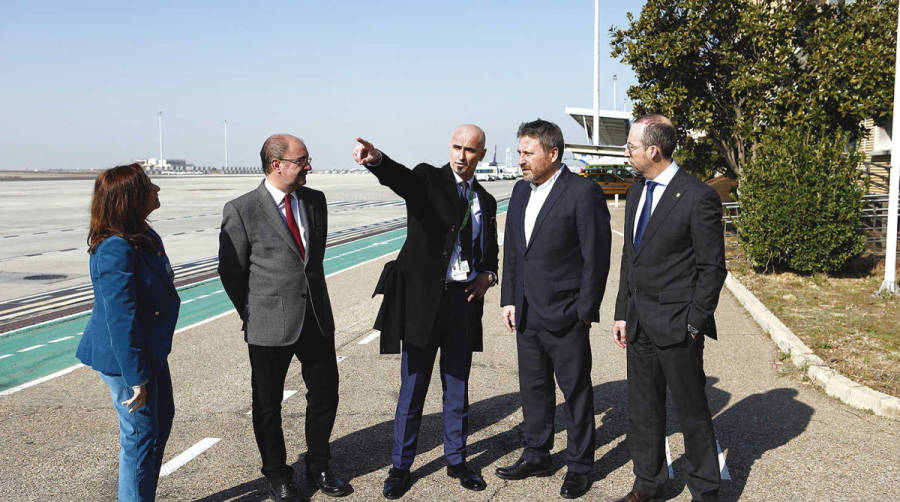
[
  {"x": 662, "y": 179},
  {"x": 475, "y": 220},
  {"x": 536, "y": 201},
  {"x": 297, "y": 209}
]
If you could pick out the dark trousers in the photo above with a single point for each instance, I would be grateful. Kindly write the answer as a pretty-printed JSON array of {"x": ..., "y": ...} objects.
[
  {"x": 269, "y": 366},
  {"x": 449, "y": 336},
  {"x": 650, "y": 369},
  {"x": 568, "y": 356}
]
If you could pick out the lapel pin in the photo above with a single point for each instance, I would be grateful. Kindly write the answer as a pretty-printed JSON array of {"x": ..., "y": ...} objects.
[{"x": 678, "y": 194}]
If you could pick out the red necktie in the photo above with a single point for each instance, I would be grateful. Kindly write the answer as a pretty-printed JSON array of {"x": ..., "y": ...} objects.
[{"x": 292, "y": 225}]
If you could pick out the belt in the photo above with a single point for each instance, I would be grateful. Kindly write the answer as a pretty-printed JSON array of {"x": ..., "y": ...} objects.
[{"x": 448, "y": 285}]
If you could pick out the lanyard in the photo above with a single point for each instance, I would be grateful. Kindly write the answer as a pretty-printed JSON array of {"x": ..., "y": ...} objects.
[{"x": 468, "y": 206}]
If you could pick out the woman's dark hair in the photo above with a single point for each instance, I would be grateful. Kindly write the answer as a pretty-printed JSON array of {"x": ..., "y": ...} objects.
[{"x": 119, "y": 207}]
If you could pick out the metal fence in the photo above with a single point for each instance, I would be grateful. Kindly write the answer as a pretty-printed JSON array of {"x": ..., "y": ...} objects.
[{"x": 873, "y": 218}]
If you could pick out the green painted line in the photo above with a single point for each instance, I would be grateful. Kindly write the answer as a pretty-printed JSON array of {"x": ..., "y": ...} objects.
[{"x": 55, "y": 342}]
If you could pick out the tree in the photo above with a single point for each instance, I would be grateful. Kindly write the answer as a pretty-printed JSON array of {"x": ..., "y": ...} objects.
[{"x": 726, "y": 72}]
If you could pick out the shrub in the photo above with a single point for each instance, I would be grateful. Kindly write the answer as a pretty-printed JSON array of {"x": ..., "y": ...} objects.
[{"x": 801, "y": 198}]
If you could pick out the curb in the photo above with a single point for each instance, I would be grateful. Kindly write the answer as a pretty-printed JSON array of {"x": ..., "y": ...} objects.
[{"x": 834, "y": 384}]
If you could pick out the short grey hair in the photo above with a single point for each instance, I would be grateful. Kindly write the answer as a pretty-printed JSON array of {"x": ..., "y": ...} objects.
[
  {"x": 547, "y": 133},
  {"x": 274, "y": 148},
  {"x": 660, "y": 132}
]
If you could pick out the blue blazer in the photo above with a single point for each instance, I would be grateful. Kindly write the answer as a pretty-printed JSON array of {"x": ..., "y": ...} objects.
[{"x": 135, "y": 310}]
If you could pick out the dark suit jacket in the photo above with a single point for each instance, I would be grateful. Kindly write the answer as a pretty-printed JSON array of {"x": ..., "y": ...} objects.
[
  {"x": 562, "y": 271},
  {"x": 676, "y": 275},
  {"x": 135, "y": 311},
  {"x": 263, "y": 273},
  {"x": 413, "y": 285}
]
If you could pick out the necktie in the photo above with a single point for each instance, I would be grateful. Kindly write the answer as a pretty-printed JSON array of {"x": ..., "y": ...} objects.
[
  {"x": 465, "y": 232},
  {"x": 292, "y": 224},
  {"x": 645, "y": 214}
]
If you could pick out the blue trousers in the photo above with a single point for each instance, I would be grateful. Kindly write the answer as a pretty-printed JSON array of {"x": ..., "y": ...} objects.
[
  {"x": 142, "y": 434},
  {"x": 415, "y": 374}
]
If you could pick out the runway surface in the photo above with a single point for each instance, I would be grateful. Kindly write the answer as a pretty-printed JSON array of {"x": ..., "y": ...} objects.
[{"x": 781, "y": 439}]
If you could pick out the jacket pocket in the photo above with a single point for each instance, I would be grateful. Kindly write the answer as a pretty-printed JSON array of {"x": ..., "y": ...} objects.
[{"x": 676, "y": 295}]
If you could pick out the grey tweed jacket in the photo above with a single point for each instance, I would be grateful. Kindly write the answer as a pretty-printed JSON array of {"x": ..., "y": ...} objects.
[{"x": 263, "y": 272}]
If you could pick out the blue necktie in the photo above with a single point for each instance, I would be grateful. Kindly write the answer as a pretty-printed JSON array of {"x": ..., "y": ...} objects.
[{"x": 645, "y": 214}]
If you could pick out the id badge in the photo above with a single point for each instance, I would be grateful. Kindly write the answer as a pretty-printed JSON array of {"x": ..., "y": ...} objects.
[{"x": 459, "y": 271}]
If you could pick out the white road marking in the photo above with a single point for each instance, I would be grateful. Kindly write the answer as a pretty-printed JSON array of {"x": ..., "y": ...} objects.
[
  {"x": 284, "y": 397},
  {"x": 40, "y": 380},
  {"x": 188, "y": 455},
  {"x": 371, "y": 336},
  {"x": 63, "y": 338},
  {"x": 4, "y": 356},
  {"x": 669, "y": 460},
  {"x": 26, "y": 349},
  {"x": 723, "y": 469}
]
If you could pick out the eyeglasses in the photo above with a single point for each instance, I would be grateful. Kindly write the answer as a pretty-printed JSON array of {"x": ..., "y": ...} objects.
[
  {"x": 300, "y": 161},
  {"x": 631, "y": 148}
]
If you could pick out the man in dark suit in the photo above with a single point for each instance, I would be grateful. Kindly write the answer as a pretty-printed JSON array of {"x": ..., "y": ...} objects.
[
  {"x": 555, "y": 263},
  {"x": 433, "y": 294},
  {"x": 271, "y": 248},
  {"x": 673, "y": 268}
]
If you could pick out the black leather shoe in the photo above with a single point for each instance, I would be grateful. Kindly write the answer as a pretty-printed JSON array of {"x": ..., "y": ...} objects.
[
  {"x": 574, "y": 485},
  {"x": 397, "y": 483},
  {"x": 284, "y": 490},
  {"x": 468, "y": 479},
  {"x": 326, "y": 481},
  {"x": 522, "y": 469}
]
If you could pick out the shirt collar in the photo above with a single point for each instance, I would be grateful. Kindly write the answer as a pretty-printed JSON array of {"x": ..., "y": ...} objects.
[
  {"x": 548, "y": 185},
  {"x": 665, "y": 177},
  {"x": 460, "y": 180},
  {"x": 276, "y": 194}
]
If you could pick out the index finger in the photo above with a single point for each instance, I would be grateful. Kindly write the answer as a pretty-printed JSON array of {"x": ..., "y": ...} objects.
[{"x": 364, "y": 143}]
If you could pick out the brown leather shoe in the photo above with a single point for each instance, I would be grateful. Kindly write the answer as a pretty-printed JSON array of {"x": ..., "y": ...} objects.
[{"x": 636, "y": 496}]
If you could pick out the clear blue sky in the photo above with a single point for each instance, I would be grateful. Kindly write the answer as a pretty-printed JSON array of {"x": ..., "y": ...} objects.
[{"x": 83, "y": 81}]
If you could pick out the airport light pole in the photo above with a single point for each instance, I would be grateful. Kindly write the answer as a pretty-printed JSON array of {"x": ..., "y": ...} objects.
[
  {"x": 160, "y": 141},
  {"x": 889, "y": 285},
  {"x": 596, "y": 132},
  {"x": 226, "y": 146}
]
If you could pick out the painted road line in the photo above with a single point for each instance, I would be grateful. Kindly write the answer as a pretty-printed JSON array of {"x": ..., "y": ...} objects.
[
  {"x": 284, "y": 397},
  {"x": 23, "y": 371},
  {"x": 723, "y": 468},
  {"x": 4, "y": 356},
  {"x": 188, "y": 455},
  {"x": 371, "y": 336},
  {"x": 62, "y": 339},
  {"x": 40, "y": 380},
  {"x": 669, "y": 460},
  {"x": 26, "y": 349}
]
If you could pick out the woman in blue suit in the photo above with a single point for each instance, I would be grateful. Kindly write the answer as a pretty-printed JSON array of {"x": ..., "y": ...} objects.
[{"x": 129, "y": 334}]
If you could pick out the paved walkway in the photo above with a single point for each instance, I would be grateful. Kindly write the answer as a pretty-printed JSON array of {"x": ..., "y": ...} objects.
[{"x": 781, "y": 438}]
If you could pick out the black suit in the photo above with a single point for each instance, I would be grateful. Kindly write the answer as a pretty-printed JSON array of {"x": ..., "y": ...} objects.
[
  {"x": 671, "y": 281},
  {"x": 423, "y": 310},
  {"x": 556, "y": 282},
  {"x": 283, "y": 302}
]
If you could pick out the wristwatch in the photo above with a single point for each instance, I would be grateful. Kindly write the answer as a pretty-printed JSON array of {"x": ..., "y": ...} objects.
[
  {"x": 692, "y": 330},
  {"x": 493, "y": 278}
]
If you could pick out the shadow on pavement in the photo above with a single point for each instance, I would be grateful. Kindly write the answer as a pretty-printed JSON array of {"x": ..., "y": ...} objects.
[{"x": 748, "y": 429}]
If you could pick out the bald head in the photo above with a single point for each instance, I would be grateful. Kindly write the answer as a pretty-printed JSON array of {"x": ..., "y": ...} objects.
[
  {"x": 466, "y": 150},
  {"x": 274, "y": 148}
]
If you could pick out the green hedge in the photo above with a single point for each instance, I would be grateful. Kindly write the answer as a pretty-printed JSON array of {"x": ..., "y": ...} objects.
[{"x": 801, "y": 198}]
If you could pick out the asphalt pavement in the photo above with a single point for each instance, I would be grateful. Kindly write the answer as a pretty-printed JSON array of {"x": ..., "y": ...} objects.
[{"x": 781, "y": 438}]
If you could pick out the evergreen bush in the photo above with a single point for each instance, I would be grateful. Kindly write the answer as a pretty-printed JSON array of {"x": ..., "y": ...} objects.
[{"x": 801, "y": 198}]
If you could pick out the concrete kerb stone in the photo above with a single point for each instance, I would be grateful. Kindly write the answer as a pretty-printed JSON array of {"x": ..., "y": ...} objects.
[{"x": 833, "y": 383}]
